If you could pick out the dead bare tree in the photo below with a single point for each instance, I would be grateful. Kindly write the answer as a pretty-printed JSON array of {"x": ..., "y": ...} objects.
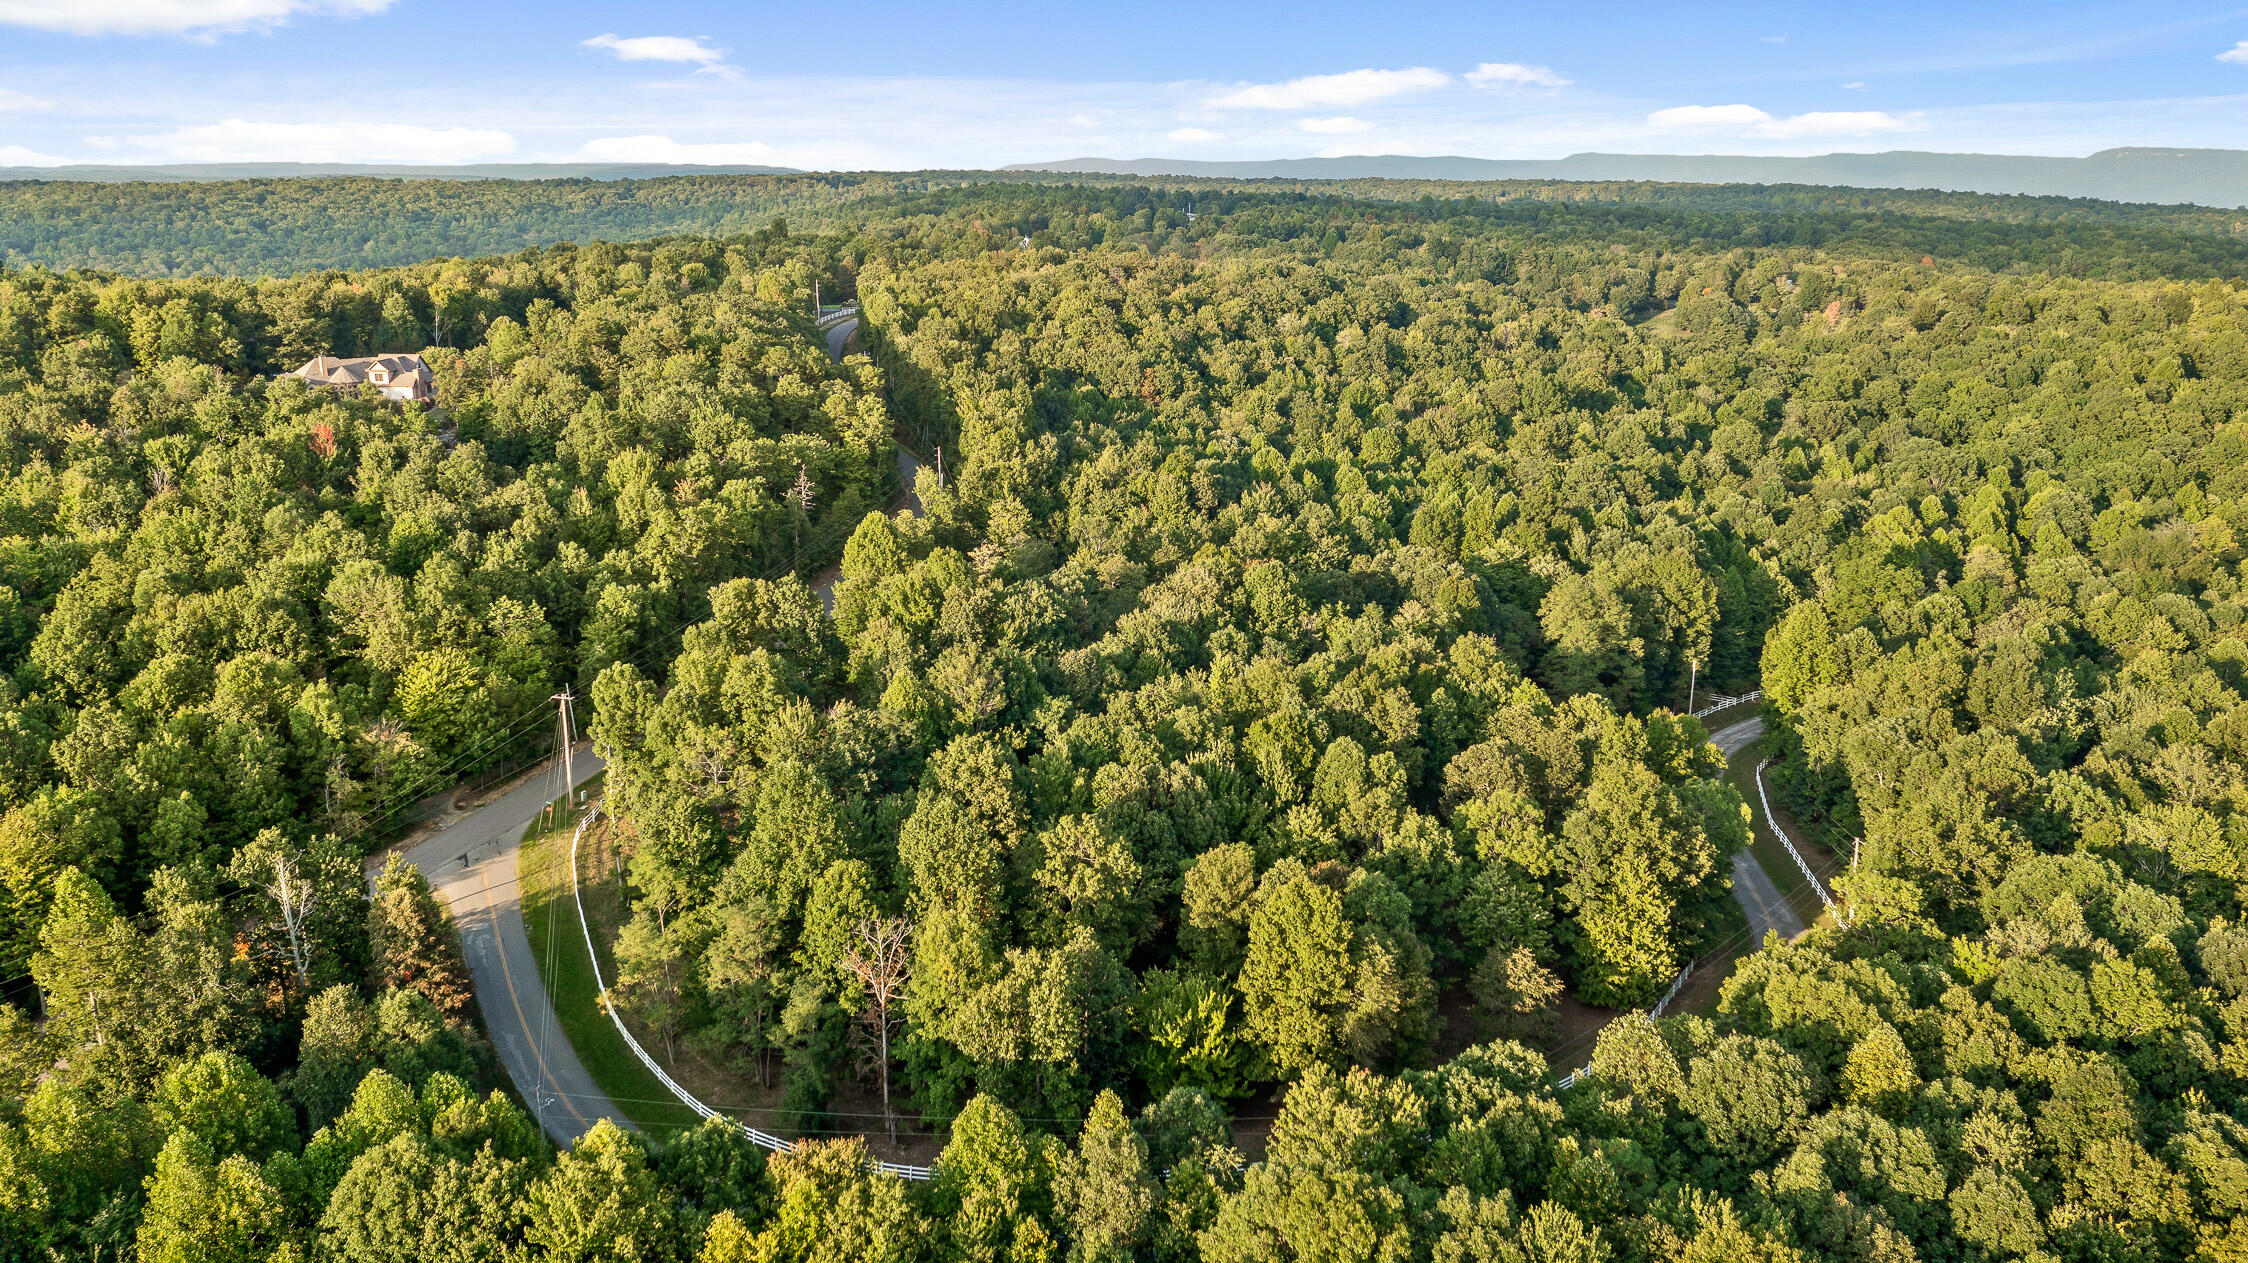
[
  {"x": 295, "y": 895},
  {"x": 881, "y": 960},
  {"x": 273, "y": 866}
]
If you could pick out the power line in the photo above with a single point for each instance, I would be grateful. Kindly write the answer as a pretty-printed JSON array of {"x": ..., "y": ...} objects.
[{"x": 834, "y": 533}]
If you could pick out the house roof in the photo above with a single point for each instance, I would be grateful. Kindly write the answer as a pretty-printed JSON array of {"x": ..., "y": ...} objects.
[{"x": 328, "y": 370}]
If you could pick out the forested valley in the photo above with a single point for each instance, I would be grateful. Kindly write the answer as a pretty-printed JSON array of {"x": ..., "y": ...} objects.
[{"x": 1277, "y": 712}]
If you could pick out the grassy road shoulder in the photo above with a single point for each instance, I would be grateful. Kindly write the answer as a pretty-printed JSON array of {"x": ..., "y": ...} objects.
[{"x": 550, "y": 916}]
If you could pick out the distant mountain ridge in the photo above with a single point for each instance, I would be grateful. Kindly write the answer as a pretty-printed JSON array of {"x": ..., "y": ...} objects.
[
  {"x": 178, "y": 172},
  {"x": 2204, "y": 177}
]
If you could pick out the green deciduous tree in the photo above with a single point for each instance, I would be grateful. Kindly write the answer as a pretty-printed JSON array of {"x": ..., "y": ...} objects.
[
  {"x": 601, "y": 1200},
  {"x": 203, "y": 1209},
  {"x": 228, "y": 1106},
  {"x": 412, "y": 941},
  {"x": 1296, "y": 980},
  {"x": 831, "y": 1205}
]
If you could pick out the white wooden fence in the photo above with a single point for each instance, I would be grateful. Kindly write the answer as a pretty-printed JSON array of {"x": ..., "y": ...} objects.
[
  {"x": 1677, "y": 984},
  {"x": 1720, "y": 702},
  {"x": 778, "y": 1144},
  {"x": 1789, "y": 843}
]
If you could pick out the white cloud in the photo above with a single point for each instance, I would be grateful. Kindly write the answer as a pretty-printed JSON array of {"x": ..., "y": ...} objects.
[
  {"x": 1773, "y": 39},
  {"x": 828, "y": 121},
  {"x": 1855, "y": 85},
  {"x": 684, "y": 48},
  {"x": 172, "y": 17},
  {"x": 1751, "y": 121},
  {"x": 1841, "y": 123},
  {"x": 1340, "y": 125},
  {"x": 1352, "y": 87},
  {"x": 2237, "y": 54},
  {"x": 1192, "y": 135},
  {"x": 14, "y": 102},
  {"x": 18, "y": 156},
  {"x": 1683, "y": 118},
  {"x": 240, "y": 140},
  {"x": 1511, "y": 74},
  {"x": 744, "y": 153}
]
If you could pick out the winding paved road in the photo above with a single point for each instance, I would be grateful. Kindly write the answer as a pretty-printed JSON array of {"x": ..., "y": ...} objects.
[
  {"x": 1759, "y": 896},
  {"x": 471, "y": 863},
  {"x": 838, "y": 334},
  {"x": 908, "y": 465}
]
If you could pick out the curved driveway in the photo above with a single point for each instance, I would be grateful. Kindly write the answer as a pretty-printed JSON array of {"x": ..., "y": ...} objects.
[
  {"x": 472, "y": 865},
  {"x": 908, "y": 464},
  {"x": 838, "y": 334},
  {"x": 1759, "y": 896}
]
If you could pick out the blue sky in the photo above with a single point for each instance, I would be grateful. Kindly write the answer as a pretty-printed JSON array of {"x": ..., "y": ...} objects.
[{"x": 895, "y": 85}]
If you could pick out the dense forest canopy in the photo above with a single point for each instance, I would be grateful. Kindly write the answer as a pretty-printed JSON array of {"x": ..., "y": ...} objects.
[
  {"x": 1276, "y": 709},
  {"x": 283, "y": 227}
]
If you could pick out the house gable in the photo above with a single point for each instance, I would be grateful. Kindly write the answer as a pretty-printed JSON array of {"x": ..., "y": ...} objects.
[{"x": 404, "y": 378}]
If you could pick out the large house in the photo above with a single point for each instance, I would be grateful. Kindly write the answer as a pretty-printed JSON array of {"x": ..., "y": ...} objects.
[{"x": 401, "y": 377}]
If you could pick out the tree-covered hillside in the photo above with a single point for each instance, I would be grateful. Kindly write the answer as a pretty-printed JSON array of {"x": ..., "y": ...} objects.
[
  {"x": 267, "y": 227},
  {"x": 1274, "y": 718},
  {"x": 235, "y": 603}
]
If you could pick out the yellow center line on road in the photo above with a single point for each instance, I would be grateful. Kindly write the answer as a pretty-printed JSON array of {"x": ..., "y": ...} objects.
[{"x": 507, "y": 978}]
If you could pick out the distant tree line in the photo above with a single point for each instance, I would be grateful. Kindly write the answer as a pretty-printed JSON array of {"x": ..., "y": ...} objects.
[{"x": 284, "y": 227}]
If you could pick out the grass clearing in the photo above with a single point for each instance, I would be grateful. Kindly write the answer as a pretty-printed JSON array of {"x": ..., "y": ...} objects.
[
  {"x": 1663, "y": 324},
  {"x": 550, "y": 916}
]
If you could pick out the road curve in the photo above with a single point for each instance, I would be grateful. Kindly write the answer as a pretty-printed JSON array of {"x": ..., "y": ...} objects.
[
  {"x": 908, "y": 465},
  {"x": 839, "y": 334},
  {"x": 471, "y": 863},
  {"x": 1734, "y": 738},
  {"x": 1767, "y": 908}
]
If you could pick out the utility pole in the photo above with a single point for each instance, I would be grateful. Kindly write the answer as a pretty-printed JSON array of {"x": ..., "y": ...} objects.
[
  {"x": 940, "y": 469},
  {"x": 569, "y": 763},
  {"x": 817, "y": 309},
  {"x": 1693, "y": 677}
]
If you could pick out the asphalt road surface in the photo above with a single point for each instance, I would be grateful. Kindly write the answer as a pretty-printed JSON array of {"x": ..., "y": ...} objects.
[
  {"x": 471, "y": 863},
  {"x": 839, "y": 335},
  {"x": 1760, "y": 898}
]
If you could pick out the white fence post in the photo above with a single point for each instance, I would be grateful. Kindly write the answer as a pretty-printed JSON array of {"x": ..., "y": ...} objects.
[
  {"x": 1717, "y": 704},
  {"x": 777, "y": 1144}
]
